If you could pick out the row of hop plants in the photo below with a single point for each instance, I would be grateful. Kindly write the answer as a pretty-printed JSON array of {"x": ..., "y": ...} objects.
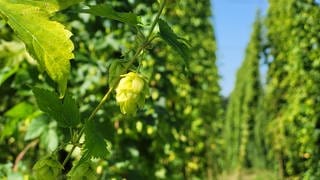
[{"x": 277, "y": 126}]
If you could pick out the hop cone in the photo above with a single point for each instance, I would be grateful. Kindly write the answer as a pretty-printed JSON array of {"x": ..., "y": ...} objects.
[{"x": 131, "y": 92}]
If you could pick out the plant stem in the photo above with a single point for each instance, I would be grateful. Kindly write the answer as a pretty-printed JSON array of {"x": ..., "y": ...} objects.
[
  {"x": 163, "y": 4},
  {"x": 22, "y": 153},
  {"x": 128, "y": 65}
]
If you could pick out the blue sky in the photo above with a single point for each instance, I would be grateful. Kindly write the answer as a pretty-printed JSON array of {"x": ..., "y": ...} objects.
[{"x": 233, "y": 21}]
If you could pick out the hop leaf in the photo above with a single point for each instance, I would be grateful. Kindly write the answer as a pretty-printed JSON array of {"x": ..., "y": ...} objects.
[
  {"x": 131, "y": 92},
  {"x": 65, "y": 111},
  {"x": 46, "y": 40},
  {"x": 107, "y": 11},
  {"x": 177, "y": 43}
]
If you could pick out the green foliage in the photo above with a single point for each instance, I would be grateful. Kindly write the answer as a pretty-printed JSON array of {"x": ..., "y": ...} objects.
[
  {"x": 193, "y": 102},
  {"x": 96, "y": 136},
  {"x": 106, "y": 10},
  {"x": 173, "y": 40},
  {"x": 49, "y": 138},
  {"x": 20, "y": 111},
  {"x": 42, "y": 36},
  {"x": 241, "y": 118},
  {"x": 175, "y": 135},
  {"x": 41, "y": 127},
  {"x": 49, "y": 5},
  {"x": 36, "y": 128},
  {"x": 279, "y": 125},
  {"x": 65, "y": 111},
  {"x": 12, "y": 53},
  {"x": 291, "y": 105}
]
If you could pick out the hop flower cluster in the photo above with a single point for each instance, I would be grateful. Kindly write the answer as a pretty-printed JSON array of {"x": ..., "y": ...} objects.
[{"x": 131, "y": 92}]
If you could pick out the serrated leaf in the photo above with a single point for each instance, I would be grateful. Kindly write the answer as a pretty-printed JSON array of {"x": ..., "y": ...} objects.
[
  {"x": 176, "y": 42},
  {"x": 36, "y": 127},
  {"x": 96, "y": 134},
  {"x": 65, "y": 111},
  {"x": 47, "y": 41},
  {"x": 106, "y": 10},
  {"x": 71, "y": 110}
]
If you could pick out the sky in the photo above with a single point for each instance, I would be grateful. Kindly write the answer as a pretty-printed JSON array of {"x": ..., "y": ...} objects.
[{"x": 233, "y": 20}]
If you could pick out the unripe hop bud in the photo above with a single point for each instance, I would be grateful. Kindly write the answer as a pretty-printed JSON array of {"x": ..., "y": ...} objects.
[
  {"x": 85, "y": 170},
  {"x": 47, "y": 168},
  {"x": 131, "y": 92}
]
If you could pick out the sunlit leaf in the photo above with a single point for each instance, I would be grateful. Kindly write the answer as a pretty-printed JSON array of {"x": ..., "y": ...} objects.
[
  {"x": 49, "y": 5},
  {"x": 46, "y": 40},
  {"x": 20, "y": 110}
]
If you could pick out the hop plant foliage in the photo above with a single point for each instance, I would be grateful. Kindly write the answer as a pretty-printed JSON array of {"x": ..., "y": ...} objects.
[
  {"x": 168, "y": 140},
  {"x": 131, "y": 92},
  {"x": 46, "y": 40}
]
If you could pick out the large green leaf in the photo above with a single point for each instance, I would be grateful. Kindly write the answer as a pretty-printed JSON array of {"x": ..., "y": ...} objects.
[
  {"x": 107, "y": 11},
  {"x": 65, "y": 111},
  {"x": 176, "y": 42},
  {"x": 46, "y": 40},
  {"x": 96, "y": 134},
  {"x": 37, "y": 127}
]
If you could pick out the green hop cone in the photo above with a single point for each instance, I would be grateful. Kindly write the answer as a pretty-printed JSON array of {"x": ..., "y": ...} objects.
[
  {"x": 131, "y": 92},
  {"x": 83, "y": 171},
  {"x": 47, "y": 168}
]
